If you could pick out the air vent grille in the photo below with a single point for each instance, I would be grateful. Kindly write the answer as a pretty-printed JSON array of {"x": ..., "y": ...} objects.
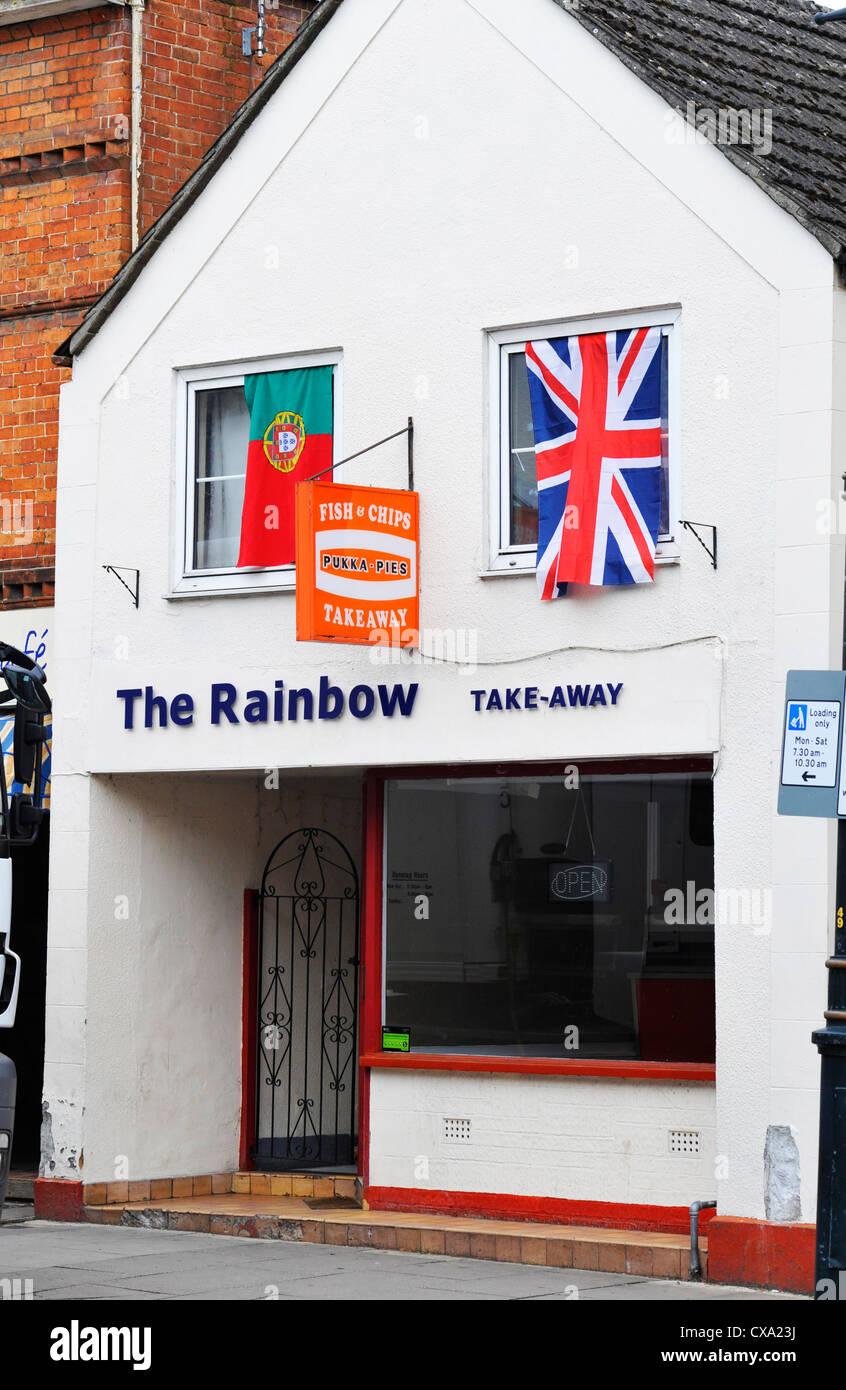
[
  {"x": 456, "y": 1131},
  {"x": 685, "y": 1141}
]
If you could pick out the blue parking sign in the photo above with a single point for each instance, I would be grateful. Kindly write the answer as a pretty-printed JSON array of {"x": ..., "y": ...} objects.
[
  {"x": 813, "y": 750},
  {"x": 797, "y": 717}
]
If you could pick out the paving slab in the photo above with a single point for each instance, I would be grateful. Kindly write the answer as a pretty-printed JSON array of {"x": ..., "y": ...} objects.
[
  {"x": 381, "y": 1289},
  {"x": 663, "y": 1289},
  {"x": 531, "y": 1278},
  {"x": 14, "y": 1212},
  {"x": 238, "y": 1295},
  {"x": 211, "y": 1283},
  {"x": 85, "y": 1293}
]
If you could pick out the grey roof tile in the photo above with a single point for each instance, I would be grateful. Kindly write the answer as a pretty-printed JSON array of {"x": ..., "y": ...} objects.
[{"x": 764, "y": 56}]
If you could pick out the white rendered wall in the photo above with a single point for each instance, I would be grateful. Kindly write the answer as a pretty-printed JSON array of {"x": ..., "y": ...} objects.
[
  {"x": 430, "y": 208},
  {"x": 808, "y": 612},
  {"x": 599, "y": 1141},
  {"x": 161, "y": 1068}
]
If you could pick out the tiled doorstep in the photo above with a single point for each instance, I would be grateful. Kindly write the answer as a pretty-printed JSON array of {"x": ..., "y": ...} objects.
[
  {"x": 289, "y": 1218},
  {"x": 256, "y": 1184}
]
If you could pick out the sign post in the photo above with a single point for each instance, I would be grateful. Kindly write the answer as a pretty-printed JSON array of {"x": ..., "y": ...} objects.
[{"x": 813, "y": 783}]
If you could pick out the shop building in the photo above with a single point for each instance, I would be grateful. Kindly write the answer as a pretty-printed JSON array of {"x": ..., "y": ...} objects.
[{"x": 539, "y": 844}]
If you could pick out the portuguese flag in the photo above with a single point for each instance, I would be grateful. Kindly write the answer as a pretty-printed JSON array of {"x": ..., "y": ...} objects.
[{"x": 290, "y": 441}]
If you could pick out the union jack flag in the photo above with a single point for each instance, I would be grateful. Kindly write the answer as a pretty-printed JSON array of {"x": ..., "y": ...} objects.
[{"x": 596, "y": 411}]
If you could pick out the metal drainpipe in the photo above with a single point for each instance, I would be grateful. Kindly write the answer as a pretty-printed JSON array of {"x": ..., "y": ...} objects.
[
  {"x": 135, "y": 136},
  {"x": 695, "y": 1209}
]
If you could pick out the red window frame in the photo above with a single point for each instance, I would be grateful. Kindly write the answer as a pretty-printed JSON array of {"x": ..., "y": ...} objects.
[{"x": 372, "y": 956}]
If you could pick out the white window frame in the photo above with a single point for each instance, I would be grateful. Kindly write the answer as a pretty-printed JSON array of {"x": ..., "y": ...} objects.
[
  {"x": 187, "y": 580},
  {"x": 502, "y": 344}
]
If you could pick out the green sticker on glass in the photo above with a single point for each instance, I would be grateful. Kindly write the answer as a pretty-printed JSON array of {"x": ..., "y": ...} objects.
[{"x": 393, "y": 1041}]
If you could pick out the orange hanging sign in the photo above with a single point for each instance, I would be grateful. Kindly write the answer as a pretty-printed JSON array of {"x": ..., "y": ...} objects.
[{"x": 357, "y": 564}]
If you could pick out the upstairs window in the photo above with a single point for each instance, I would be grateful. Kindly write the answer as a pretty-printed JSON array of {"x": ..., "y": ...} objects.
[
  {"x": 513, "y": 518},
  {"x": 214, "y": 447}
]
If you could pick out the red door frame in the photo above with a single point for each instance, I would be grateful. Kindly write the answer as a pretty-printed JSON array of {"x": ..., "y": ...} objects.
[
  {"x": 370, "y": 953},
  {"x": 371, "y": 845},
  {"x": 249, "y": 1008}
]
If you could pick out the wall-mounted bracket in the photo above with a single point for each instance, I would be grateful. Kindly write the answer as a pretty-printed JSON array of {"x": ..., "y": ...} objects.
[
  {"x": 259, "y": 31},
  {"x": 409, "y": 430},
  {"x": 114, "y": 569},
  {"x": 711, "y": 550}
]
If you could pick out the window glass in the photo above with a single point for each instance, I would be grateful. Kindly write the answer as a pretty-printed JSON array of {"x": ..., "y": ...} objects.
[
  {"x": 523, "y": 477},
  {"x": 526, "y": 917},
  {"x": 221, "y": 435},
  {"x": 521, "y": 480},
  {"x": 664, "y": 528}
]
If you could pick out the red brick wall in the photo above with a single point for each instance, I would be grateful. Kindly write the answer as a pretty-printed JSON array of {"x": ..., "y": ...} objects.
[
  {"x": 195, "y": 78},
  {"x": 29, "y": 392},
  {"x": 64, "y": 230},
  {"x": 65, "y": 206}
]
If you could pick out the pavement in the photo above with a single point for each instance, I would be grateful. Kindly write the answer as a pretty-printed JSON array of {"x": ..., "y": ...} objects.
[
  {"x": 17, "y": 1212},
  {"x": 43, "y": 1260}
]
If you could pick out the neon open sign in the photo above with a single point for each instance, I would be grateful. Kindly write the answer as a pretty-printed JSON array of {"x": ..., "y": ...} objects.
[{"x": 585, "y": 882}]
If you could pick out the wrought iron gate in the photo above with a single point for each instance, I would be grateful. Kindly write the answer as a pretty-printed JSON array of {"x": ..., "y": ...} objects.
[{"x": 307, "y": 1004}]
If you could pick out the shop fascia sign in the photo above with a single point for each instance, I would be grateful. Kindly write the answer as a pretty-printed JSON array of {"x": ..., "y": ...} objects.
[{"x": 146, "y": 707}]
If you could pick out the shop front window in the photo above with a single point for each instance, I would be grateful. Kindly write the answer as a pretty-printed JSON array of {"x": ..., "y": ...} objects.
[{"x": 565, "y": 916}]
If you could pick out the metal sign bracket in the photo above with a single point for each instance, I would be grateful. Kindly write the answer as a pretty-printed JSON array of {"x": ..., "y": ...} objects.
[
  {"x": 113, "y": 569},
  {"x": 711, "y": 550}
]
